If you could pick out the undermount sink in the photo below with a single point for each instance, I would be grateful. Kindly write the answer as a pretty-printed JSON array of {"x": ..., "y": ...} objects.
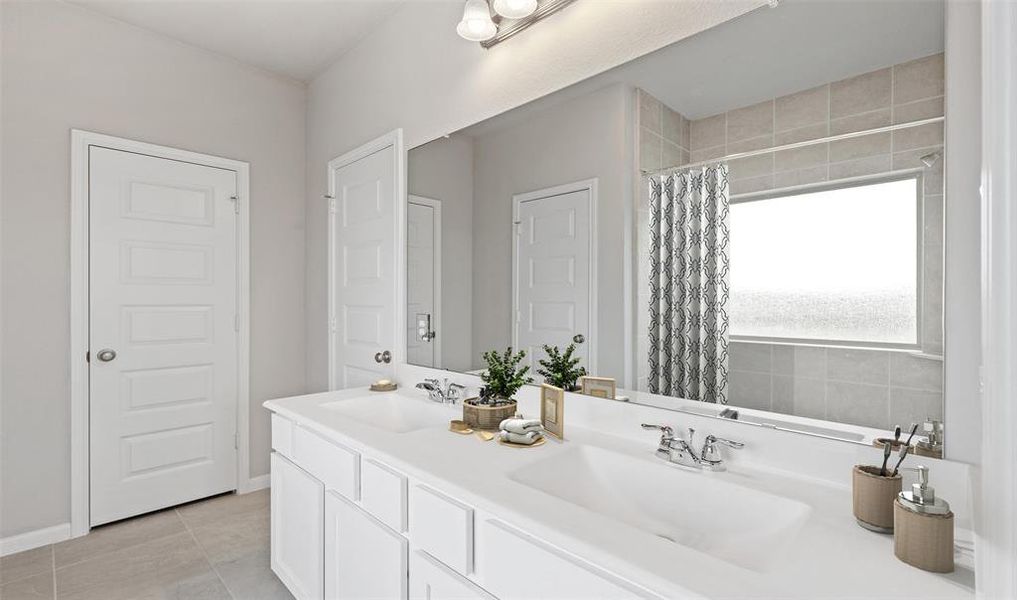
[
  {"x": 737, "y": 524},
  {"x": 391, "y": 412}
]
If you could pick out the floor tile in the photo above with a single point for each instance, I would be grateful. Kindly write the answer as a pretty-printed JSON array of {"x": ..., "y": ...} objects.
[
  {"x": 151, "y": 569},
  {"x": 25, "y": 564},
  {"x": 118, "y": 536},
  {"x": 36, "y": 587},
  {"x": 251, "y": 578},
  {"x": 215, "y": 509},
  {"x": 206, "y": 586},
  {"x": 234, "y": 537}
]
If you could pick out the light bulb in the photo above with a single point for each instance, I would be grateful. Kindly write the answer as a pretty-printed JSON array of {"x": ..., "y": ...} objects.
[
  {"x": 515, "y": 9},
  {"x": 476, "y": 25}
]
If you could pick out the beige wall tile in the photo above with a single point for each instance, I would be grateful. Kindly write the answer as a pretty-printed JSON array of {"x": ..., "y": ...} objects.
[
  {"x": 916, "y": 372},
  {"x": 708, "y": 132},
  {"x": 708, "y": 154},
  {"x": 782, "y": 394},
  {"x": 756, "y": 143},
  {"x": 933, "y": 220},
  {"x": 870, "y": 91},
  {"x": 914, "y": 406},
  {"x": 861, "y": 122},
  {"x": 783, "y": 179},
  {"x": 858, "y": 366},
  {"x": 804, "y": 108},
  {"x": 923, "y": 136},
  {"x": 649, "y": 112},
  {"x": 751, "y": 184},
  {"x": 918, "y": 79},
  {"x": 650, "y": 148},
  {"x": 916, "y": 111},
  {"x": 860, "y": 147},
  {"x": 810, "y": 398},
  {"x": 671, "y": 155},
  {"x": 858, "y": 403},
  {"x": 782, "y": 356},
  {"x": 863, "y": 166},
  {"x": 747, "y": 356},
  {"x": 752, "y": 166},
  {"x": 800, "y": 158},
  {"x": 801, "y": 134},
  {"x": 750, "y": 122},
  {"x": 673, "y": 126},
  {"x": 749, "y": 390}
]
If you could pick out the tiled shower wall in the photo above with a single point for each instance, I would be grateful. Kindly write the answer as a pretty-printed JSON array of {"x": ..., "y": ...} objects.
[{"x": 875, "y": 388}]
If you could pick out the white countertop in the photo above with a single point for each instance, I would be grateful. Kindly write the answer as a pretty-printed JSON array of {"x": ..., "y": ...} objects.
[{"x": 831, "y": 557}]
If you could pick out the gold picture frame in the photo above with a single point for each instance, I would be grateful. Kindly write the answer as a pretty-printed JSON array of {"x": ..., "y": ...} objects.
[
  {"x": 552, "y": 410},
  {"x": 598, "y": 387}
]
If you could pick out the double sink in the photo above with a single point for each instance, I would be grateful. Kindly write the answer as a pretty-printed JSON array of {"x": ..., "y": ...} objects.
[{"x": 741, "y": 525}]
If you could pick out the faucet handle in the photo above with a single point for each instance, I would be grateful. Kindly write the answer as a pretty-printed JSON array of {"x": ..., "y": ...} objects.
[
  {"x": 729, "y": 443},
  {"x": 665, "y": 431}
]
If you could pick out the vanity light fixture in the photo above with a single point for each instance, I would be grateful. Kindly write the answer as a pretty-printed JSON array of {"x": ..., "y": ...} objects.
[
  {"x": 515, "y": 9},
  {"x": 511, "y": 17},
  {"x": 477, "y": 25}
]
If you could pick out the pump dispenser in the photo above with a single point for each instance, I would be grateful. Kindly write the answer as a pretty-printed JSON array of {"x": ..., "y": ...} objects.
[{"x": 923, "y": 527}]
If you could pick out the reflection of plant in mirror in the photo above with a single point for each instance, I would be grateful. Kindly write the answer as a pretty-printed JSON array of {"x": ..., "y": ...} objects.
[
  {"x": 503, "y": 376},
  {"x": 561, "y": 369}
]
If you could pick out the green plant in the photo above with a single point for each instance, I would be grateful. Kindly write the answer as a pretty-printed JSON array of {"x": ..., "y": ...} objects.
[
  {"x": 561, "y": 369},
  {"x": 503, "y": 376}
]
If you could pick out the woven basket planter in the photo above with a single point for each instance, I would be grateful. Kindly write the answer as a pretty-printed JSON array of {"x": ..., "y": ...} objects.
[{"x": 479, "y": 416}]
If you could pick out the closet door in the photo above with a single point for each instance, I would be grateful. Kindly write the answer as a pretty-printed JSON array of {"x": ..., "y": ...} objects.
[
  {"x": 363, "y": 557},
  {"x": 297, "y": 526}
]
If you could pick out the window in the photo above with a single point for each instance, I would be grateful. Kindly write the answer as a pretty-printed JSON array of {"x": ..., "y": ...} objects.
[{"x": 831, "y": 265}]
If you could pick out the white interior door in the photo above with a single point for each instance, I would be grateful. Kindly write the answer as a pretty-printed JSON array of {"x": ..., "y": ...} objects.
[
  {"x": 162, "y": 332},
  {"x": 363, "y": 267},
  {"x": 553, "y": 276},
  {"x": 423, "y": 280}
]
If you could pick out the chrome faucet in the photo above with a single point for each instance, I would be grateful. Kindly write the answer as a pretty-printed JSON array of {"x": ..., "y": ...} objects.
[
  {"x": 681, "y": 451},
  {"x": 444, "y": 392}
]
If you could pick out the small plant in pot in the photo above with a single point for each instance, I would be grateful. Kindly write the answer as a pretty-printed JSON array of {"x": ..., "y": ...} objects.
[
  {"x": 561, "y": 369},
  {"x": 503, "y": 378}
]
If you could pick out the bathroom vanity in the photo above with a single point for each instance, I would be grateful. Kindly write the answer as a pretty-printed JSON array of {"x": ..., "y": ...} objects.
[{"x": 373, "y": 497}]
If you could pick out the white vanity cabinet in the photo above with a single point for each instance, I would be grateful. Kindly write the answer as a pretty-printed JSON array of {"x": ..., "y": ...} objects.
[
  {"x": 431, "y": 580},
  {"x": 363, "y": 557},
  {"x": 297, "y": 528}
]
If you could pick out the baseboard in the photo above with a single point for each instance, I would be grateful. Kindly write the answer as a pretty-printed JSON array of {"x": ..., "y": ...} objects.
[
  {"x": 35, "y": 539},
  {"x": 254, "y": 484}
]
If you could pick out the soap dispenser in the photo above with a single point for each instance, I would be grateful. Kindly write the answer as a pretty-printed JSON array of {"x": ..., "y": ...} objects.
[
  {"x": 932, "y": 445},
  {"x": 923, "y": 527}
]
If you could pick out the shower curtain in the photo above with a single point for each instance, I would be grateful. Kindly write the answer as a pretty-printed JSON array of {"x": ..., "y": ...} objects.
[{"x": 689, "y": 257}]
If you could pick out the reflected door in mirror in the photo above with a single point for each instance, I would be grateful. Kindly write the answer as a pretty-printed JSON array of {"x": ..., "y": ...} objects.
[
  {"x": 423, "y": 275},
  {"x": 553, "y": 272}
]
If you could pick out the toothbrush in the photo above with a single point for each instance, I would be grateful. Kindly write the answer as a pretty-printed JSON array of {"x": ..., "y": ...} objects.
[
  {"x": 886, "y": 456},
  {"x": 903, "y": 453},
  {"x": 896, "y": 435},
  {"x": 914, "y": 428}
]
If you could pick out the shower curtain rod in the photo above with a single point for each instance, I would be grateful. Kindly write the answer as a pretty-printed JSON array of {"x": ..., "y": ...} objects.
[{"x": 829, "y": 138}]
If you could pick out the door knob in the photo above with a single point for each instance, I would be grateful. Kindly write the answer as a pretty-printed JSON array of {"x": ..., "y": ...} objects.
[
  {"x": 106, "y": 354},
  {"x": 383, "y": 357},
  {"x": 579, "y": 338}
]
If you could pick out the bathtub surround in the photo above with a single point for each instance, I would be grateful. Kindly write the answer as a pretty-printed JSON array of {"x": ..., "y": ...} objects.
[{"x": 874, "y": 388}]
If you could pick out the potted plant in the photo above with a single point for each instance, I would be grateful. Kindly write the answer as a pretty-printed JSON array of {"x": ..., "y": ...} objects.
[
  {"x": 561, "y": 369},
  {"x": 503, "y": 378}
]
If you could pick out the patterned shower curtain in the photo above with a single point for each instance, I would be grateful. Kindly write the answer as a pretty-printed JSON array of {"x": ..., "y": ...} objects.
[{"x": 689, "y": 259}]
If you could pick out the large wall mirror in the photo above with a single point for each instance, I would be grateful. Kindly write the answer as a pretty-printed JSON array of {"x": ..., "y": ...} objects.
[{"x": 747, "y": 223}]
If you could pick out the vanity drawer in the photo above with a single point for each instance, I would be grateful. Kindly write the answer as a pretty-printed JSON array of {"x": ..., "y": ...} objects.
[
  {"x": 282, "y": 435},
  {"x": 334, "y": 465},
  {"x": 508, "y": 553},
  {"x": 383, "y": 493},
  {"x": 442, "y": 527}
]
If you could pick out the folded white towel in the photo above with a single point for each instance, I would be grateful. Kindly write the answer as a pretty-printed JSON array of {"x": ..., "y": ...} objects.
[
  {"x": 521, "y": 426},
  {"x": 521, "y": 438}
]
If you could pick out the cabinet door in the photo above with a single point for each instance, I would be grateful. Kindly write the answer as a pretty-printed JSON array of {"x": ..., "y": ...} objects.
[
  {"x": 363, "y": 557},
  {"x": 297, "y": 528},
  {"x": 431, "y": 580}
]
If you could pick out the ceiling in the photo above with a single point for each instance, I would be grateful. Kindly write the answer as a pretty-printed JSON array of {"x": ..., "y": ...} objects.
[
  {"x": 766, "y": 54},
  {"x": 294, "y": 38}
]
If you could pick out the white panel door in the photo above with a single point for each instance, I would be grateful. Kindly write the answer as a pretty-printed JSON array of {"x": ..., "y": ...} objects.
[
  {"x": 364, "y": 559},
  {"x": 363, "y": 263},
  {"x": 422, "y": 280},
  {"x": 297, "y": 529},
  {"x": 552, "y": 273},
  {"x": 162, "y": 332}
]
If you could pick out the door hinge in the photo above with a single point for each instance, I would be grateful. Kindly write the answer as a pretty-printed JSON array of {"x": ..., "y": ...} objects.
[
  {"x": 236, "y": 204},
  {"x": 331, "y": 205},
  {"x": 88, "y": 356},
  {"x": 236, "y": 441}
]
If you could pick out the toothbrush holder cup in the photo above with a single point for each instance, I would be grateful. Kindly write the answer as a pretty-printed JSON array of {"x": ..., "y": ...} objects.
[{"x": 872, "y": 497}]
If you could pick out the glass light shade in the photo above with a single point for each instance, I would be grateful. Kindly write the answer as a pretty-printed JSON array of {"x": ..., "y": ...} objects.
[
  {"x": 515, "y": 9},
  {"x": 476, "y": 25}
]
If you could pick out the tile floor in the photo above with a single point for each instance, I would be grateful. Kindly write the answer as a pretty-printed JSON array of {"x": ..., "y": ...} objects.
[{"x": 208, "y": 550}]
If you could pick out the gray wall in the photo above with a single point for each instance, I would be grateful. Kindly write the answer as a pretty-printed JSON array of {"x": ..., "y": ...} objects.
[
  {"x": 63, "y": 67},
  {"x": 581, "y": 139},
  {"x": 443, "y": 170}
]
